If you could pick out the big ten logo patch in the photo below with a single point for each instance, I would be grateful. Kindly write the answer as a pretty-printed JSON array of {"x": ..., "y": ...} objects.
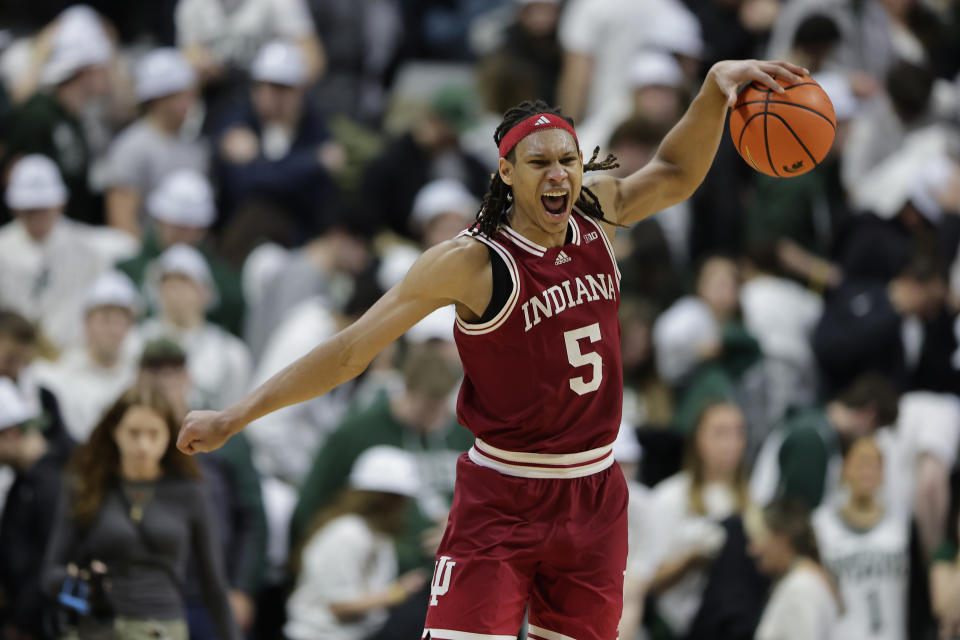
[
  {"x": 440, "y": 584},
  {"x": 590, "y": 237}
]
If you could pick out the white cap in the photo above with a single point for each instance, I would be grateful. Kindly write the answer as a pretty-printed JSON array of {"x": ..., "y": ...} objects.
[
  {"x": 183, "y": 198},
  {"x": 279, "y": 62},
  {"x": 112, "y": 289},
  {"x": 395, "y": 264},
  {"x": 386, "y": 469},
  {"x": 655, "y": 68},
  {"x": 442, "y": 196},
  {"x": 80, "y": 41},
  {"x": 929, "y": 181},
  {"x": 35, "y": 183},
  {"x": 837, "y": 88},
  {"x": 14, "y": 410},
  {"x": 163, "y": 72},
  {"x": 626, "y": 448},
  {"x": 184, "y": 260},
  {"x": 437, "y": 325},
  {"x": 676, "y": 30}
]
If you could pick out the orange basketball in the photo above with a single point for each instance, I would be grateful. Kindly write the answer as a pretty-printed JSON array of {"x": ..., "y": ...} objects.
[{"x": 783, "y": 134}]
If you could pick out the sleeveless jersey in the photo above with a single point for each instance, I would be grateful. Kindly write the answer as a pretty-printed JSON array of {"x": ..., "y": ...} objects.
[
  {"x": 871, "y": 569},
  {"x": 544, "y": 374}
]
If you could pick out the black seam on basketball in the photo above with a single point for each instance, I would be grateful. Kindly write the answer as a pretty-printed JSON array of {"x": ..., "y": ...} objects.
[
  {"x": 744, "y": 129},
  {"x": 790, "y": 129},
  {"x": 766, "y": 142},
  {"x": 791, "y": 104}
]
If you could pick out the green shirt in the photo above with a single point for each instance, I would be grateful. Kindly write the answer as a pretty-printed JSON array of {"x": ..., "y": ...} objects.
[
  {"x": 43, "y": 125},
  {"x": 229, "y": 308},
  {"x": 436, "y": 454}
]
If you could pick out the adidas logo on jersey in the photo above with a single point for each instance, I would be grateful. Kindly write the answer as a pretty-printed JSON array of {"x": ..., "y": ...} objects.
[
  {"x": 541, "y": 120},
  {"x": 562, "y": 258}
]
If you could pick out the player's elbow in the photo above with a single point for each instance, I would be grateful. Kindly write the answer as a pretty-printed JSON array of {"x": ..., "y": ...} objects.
[{"x": 352, "y": 359}]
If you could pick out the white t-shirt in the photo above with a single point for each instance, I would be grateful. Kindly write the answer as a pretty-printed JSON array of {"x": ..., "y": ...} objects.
[
  {"x": 342, "y": 561},
  {"x": 235, "y": 30},
  {"x": 677, "y": 532},
  {"x": 871, "y": 568},
  {"x": 801, "y": 607}
]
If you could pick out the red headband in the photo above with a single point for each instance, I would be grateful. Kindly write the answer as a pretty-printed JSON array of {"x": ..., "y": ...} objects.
[{"x": 534, "y": 123}]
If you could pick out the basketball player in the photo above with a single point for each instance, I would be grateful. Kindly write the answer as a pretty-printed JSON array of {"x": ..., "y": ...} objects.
[
  {"x": 539, "y": 515},
  {"x": 865, "y": 544}
]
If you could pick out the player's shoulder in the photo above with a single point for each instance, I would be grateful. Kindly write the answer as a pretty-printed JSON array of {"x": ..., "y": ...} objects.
[{"x": 462, "y": 254}]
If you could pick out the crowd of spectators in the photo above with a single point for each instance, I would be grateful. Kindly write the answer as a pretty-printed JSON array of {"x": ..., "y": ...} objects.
[{"x": 196, "y": 192}]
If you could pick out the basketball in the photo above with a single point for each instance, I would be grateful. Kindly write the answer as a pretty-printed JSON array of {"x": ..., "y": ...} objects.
[{"x": 783, "y": 134}]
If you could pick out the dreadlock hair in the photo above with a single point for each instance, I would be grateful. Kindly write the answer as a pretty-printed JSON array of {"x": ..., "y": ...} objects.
[{"x": 499, "y": 197}]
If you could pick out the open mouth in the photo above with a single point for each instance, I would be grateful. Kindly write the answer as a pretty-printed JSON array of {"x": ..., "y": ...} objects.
[{"x": 555, "y": 202}]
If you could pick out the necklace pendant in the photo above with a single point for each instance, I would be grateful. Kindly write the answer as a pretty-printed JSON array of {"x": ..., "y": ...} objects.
[{"x": 136, "y": 513}]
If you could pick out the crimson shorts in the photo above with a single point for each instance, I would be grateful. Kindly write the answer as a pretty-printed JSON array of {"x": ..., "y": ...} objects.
[{"x": 557, "y": 544}]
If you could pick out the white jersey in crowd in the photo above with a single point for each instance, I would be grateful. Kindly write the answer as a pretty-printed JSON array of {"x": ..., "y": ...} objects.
[
  {"x": 219, "y": 363},
  {"x": 801, "y": 607},
  {"x": 872, "y": 570},
  {"x": 341, "y": 562},
  {"x": 679, "y": 531},
  {"x": 46, "y": 282}
]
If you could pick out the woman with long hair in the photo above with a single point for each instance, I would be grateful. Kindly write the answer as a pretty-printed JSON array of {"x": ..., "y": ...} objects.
[
  {"x": 135, "y": 510},
  {"x": 347, "y": 570},
  {"x": 688, "y": 508},
  {"x": 805, "y": 602}
]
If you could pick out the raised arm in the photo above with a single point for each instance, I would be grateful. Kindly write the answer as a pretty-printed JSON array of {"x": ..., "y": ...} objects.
[
  {"x": 687, "y": 151},
  {"x": 456, "y": 271}
]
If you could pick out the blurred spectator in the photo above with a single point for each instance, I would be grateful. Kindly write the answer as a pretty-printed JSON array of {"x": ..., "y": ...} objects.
[
  {"x": 647, "y": 400},
  {"x": 906, "y": 213},
  {"x": 598, "y": 38},
  {"x": 234, "y": 487},
  {"x": 277, "y": 280},
  {"x": 945, "y": 583},
  {"x": 440, "y": 30},
  {"x": 801, "y": 458},
  {"x": 29, "y": 444},
  {"x": 222, "y": 39},
  {"x": 348, "y": 574},
  {"x": 878, "y": 326},
  {"x": 442, "y": 209},
  {"x": 688, "y": 507},
  {"x": 805, "y": 602},
  {"x": 526, "y": 37},
  {"x": 49, "y": 123},
  {"x": 219, "y": 363},
  {"x": 875, "y": 35},
  {"x": 182, "y": 212},
  {"x": 46, "y": 262},
  {"x": 275, "y": 148},
  {"x": 809, "y": 209},
  {"x": 782, "y": 315},
  {"x": 864, "y": 544},
  {"x": 154, "y": 146},
  {"x": 908, "y": 124},
  {"x": 361, "y": 42},
  {"x": 418, "y": 420},
  {"x": 628, "y": 454},
  {"x": 88, "y": 379},
  {"x": 814, "y": 42},
  {"x": 135, "y": 511},
  {"x": 703, "y": 350},
  {"x": 734, "y": 29},
  {"x": 430, "y": 150}
]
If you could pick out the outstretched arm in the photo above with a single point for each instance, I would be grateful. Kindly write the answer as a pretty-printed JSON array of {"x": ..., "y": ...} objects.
[
  {"x": 687, "y": 151},
  {"x": 456, "y": 271}
]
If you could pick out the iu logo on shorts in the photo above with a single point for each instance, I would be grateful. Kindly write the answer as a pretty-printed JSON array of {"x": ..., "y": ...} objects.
[{"x": 441, "y": 578}]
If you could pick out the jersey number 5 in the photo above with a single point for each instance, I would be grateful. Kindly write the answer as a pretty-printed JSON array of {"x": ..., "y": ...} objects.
[{"x": 578, "y": 359}]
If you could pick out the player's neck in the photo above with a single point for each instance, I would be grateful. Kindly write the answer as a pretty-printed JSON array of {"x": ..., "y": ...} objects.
[
  {"x": 528, "y": 227},
  {"x": 862, "y": 513}
]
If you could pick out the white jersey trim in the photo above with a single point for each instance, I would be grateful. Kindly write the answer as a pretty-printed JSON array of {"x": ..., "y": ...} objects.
[
  {"x": 546, "y": 634},
  {"x": 527, "y": 245},
  {"x": 473, "y": 329},
  {"x": 606, "y": 243},
  {"x": 449, "y": 634},
  {"x": 577, "y": 468}
]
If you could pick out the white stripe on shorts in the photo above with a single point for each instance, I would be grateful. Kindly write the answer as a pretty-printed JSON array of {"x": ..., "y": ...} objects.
[
  {"x": 546, "y": 634},
  {"x": 447, "y": 634}
]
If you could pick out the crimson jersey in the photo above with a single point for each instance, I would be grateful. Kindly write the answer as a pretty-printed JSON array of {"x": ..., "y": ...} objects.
[{"x": 544, "y": 374}]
